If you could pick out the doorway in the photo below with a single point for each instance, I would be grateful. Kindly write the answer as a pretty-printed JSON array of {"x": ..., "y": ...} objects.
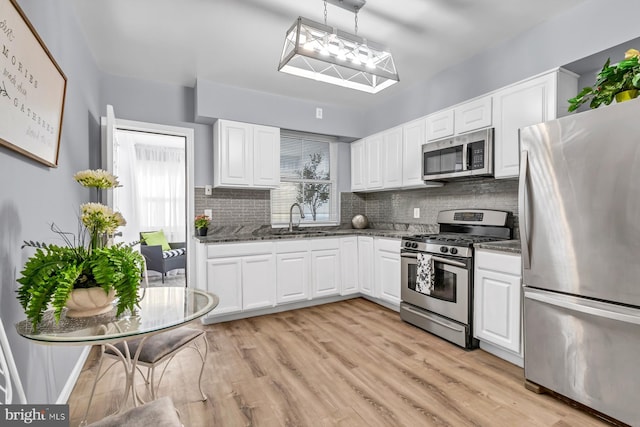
[{"x": 154, "y": 164}]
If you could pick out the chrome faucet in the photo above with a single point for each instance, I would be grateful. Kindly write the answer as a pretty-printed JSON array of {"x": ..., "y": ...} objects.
[{"x": 291, "y": 215}]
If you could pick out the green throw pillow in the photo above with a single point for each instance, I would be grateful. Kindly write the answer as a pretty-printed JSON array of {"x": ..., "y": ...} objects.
[{"x": 154, "y": 238}]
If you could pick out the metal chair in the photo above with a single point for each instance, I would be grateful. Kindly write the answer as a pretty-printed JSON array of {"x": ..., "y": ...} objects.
[
  {"x": 158, "y": 413},
  {"x": 8, "y": 372}
]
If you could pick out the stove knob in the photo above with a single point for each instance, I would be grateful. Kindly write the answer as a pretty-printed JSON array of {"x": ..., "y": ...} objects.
[
  {"x": 453, "y": 251},
  {"x": 414, "y": 245},
  {"x": 444, "y": 249},
  {"x": 407, "y": 244}
]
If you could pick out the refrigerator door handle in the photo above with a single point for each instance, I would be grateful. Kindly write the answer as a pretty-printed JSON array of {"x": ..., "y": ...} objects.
[
  {"x": 590, "y": 309},
  {"x": 522, "y": 208}
]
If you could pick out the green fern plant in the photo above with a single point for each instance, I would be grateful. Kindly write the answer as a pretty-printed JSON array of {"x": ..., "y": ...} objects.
[{"x": 53, "y": 272}]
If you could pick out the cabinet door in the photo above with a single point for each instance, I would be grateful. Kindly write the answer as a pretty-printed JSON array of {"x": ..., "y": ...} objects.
[
  {"x": 292, "y": 276},
  {"x": 373, "y": 154},
  {"x": 233, "y": 157},
  {"x": 413, "y": 136},
  {"x": 266, "y": 156},
  {"x": 521, "y": 105},
  {"x": 440, "y": 125},
  {"x": 349, "y": 265},
  {"x": 358, "y": 169},
  {"x": 387, "y": 269},
  {"x": 258, "y": 281},
  {"x": 392, "y": 158},
  {"x": 497, "y": 300},
  {"x": 224, "y": 278},
  {"x": 365, "y": 265},
  {"x": 325, "y": 272},
  {"x": 473, "y": 115}
]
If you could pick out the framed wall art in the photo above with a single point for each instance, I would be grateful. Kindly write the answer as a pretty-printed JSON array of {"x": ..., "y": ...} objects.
[{"x": 32, "y": 89}]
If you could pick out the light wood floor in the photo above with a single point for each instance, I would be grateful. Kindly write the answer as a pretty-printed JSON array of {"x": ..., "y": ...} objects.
[{"x": 351, "y": 363}]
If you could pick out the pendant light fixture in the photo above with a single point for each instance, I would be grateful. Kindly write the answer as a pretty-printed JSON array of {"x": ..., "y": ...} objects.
[{"x": 321, "y": 52}]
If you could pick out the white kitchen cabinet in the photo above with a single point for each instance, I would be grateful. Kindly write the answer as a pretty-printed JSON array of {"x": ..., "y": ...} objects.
[
  {"x": 258, "y": 279},
  {"x": 472, "y": 115},
  {"x": 387, "y": 269},
  {"x": 413, "y": 136},
  {"x": 349, "y": 265},
  {"x": 365, "y": 266},
  {"x": 523, "y": 104},
  {"x": 498, "y": 300},
  {"x": 245, "y": 155},
  {"x": 373, "y": 161},
  {"x": 224, "y": 278},
  {"x": 440, "y": 125},
  {"x": 293, "y": 260},
  {"x": 243, "y": 275},
  {"x": 325, "y": 267},
  {"x": 358, "y": 168},
  {"x": 392, "y": 158}
]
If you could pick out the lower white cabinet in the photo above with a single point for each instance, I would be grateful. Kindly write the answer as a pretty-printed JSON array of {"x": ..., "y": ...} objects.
[
  {"x": 365, "y": 266},
  {"x": 242, "y": 275},
  {"x": 349, "y": 271},
  {"x": 498, "y": 300},
  {"x": 325, "y": 267},
  {"x": 293, "y": 261},
  {"x": 387, "y": 269}
]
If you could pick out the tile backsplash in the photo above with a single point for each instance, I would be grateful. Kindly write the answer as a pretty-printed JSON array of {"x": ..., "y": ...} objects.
[{"x": 242, "y": 207}]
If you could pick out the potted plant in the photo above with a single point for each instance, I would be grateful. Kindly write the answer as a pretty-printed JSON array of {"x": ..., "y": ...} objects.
[
  {"x": 620, "y": 81},
  {"x": 202, "y": 224},
  {"x": 63, "y": 276}
]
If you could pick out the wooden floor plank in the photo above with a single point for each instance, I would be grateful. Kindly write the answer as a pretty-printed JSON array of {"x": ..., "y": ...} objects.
[{"x": 351, "y": 363}]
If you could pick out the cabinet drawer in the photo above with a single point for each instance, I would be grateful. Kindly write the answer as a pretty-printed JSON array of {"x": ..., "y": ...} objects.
[
  {"x": 224, "y": 250},
  {"x": 325, "y": 243},
  {"x": 499, "y": 261}
]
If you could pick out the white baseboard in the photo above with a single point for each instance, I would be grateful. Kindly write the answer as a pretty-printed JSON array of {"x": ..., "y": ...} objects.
[
  {"x": 507, "y": 355},
  {"x": 63, "y": 397}
]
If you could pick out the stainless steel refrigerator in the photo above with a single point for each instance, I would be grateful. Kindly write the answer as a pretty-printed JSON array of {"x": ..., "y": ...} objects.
[{"x": 579, "y": 211}]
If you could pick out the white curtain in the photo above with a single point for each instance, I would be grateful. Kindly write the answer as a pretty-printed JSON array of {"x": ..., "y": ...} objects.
[{"x": 152, "y": 172}]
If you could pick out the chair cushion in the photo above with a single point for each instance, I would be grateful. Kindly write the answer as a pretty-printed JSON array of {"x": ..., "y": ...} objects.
[
  {"x": 174, "y": 253},
  {"x": 154, "y": 238},
  {"x": 158, "y": 413},
  {"x": 159, "y": 345}
]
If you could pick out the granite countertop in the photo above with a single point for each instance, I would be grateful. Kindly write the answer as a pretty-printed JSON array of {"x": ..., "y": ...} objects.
[
  {"x": 511, "y": 246},
  {"x": 249, "y": 233}
]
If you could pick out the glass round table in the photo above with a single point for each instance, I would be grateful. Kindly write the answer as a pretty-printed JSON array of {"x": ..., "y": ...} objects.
[{"x": 161, "y": 309}]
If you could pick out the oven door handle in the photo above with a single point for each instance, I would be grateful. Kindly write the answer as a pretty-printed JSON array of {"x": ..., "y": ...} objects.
[
  {"x": 433, "y": 319},
  {"x": 413, "y": 255},
  {"x": 448, "y": 261}
]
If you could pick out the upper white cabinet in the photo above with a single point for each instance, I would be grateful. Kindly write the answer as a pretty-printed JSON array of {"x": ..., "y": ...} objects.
[
  {"x": 392, "y": 158},
  {"x": 413, "y": 136},
  {"x": 245, "y": 155},
  {"x": 498, "y": 301},
  {"x": 463, "y": 118},
  {"x": 523, "y": 104},
  {"x": 473, "y": 115},
  {"x": 389, "y": 160},
  {"x": 440, "y": 125}
]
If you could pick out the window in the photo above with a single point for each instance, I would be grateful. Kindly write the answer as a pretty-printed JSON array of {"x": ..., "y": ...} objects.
[{"x": 307, "y": 177}]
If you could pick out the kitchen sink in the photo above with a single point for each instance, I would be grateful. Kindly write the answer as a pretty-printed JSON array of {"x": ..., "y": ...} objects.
[{"x": 297, "y": 232}]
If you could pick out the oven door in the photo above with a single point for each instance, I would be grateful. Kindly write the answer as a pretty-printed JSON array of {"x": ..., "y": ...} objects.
[{"x": 451, "y": 294}]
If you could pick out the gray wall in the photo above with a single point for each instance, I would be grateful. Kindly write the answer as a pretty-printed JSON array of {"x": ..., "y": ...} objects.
[{"x": 34, "y": 195}]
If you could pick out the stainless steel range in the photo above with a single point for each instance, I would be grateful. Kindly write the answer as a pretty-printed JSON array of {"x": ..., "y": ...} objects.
[{"x": 437, "y": 272}]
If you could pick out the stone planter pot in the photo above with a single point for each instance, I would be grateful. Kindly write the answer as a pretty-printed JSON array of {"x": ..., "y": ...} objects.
[{"x": 89, "y": 302}]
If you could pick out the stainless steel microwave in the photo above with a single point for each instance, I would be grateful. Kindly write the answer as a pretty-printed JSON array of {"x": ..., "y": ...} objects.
[{"x": 469, "y": 154}]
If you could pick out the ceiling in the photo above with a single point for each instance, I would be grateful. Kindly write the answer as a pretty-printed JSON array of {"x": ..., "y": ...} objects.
[{"x": 238, "y": 42}]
